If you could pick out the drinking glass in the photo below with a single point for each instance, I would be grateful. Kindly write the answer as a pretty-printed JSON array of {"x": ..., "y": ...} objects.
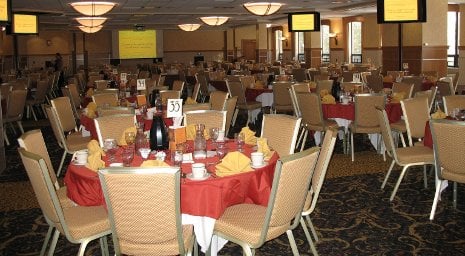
[
  {"x": 130, "y": 137},
  {"x": 128, "y": 156},
  {"x": 240, "y": 138},
  {"x": 214, "y": 134},
  {"x": 221, "y": 150},
  {"x": 176, "y": 157},
  {"x": 110, "y": 146}
]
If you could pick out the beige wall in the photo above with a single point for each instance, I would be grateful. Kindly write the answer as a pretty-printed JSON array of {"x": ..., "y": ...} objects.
[{"x": 435, "y": 29}]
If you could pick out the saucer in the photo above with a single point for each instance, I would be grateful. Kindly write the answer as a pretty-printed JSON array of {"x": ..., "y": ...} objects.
[
  {"x": 204, "y": 177},
  {"x": 76, "y": 163},
  {"x": 258, "y": 166}
]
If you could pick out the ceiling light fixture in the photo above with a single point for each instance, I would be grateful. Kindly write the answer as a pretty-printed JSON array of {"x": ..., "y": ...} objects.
[
  {"x": 262, "y": 8},
  {"x": 91, "y": 21},
  {"x": 93, "y": 8},
  {"x": 189, "y": 27},
  {"x": 214, "y": 20},
  {"x": 90, "y": 30}
]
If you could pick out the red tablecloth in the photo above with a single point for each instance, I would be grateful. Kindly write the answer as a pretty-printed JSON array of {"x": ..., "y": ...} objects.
[
  {"x": 201, "y": 198},
  {"x": 251, "y": 94},
  {"x": 428, "y": 138},
  {"x": 393, "y": 110}
]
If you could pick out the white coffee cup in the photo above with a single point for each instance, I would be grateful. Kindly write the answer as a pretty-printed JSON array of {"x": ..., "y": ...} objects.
[
  {"x": 198, "y": 170},
  {"x": 149, "y": 114},
  {"x": 80, "y": 157},
  {"x": 220, "y": 135},
  {"x": 257, "y": 158},
  {"x": 345, "y": 100},
  {"x": 144, "y": 152}
]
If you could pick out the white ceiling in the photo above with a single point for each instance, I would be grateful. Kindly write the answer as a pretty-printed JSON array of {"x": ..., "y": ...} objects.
[{"x": 166, "y": 14}]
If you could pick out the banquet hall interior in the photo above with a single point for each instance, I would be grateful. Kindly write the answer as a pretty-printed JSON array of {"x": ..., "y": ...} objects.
[{"x": 281, "y": 80}]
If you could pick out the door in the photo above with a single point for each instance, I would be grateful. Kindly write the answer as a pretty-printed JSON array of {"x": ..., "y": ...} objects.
[{"x": 249, "y": 49}]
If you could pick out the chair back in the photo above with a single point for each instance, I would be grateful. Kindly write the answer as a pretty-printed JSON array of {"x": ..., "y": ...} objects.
[
  {"x": 230, "y": 107},
  {"x": 56, "y": 126},
  {"x": 324, "y": 85},
  {"x": 453, "y": 101},
  {"x": 311, "y": 111},
  {"x": 281, "y": 131},
  {"x": 105, "y": 98},
  {"x": 445, "y": 88},
  {"x": 33, "y": 141},
  {"x": 196, "y": 91},
  {"x": 202, "y": 80},
  {"x": 365, "y": 114},
  {"x": 321, "y": 76},
  {"x": 113, "y": 127},
  {"x": 235, "y": 89},
  {"x": 218, "y": 100},
  {"x": 108, "y": 111},
  {"x": 290, "y": 185},
  {"x": 146, "y": 217},
  {"x": 404, "y": 88},
  {"x": 348, "y": 76},
  {"x": 416, "y": 114},
  {"x": 386, "y": 132},
  {"x": 5, "y": 90},
  {"x": 375, "y": 82},
  {"x": 281, "y": 97},
  {"x": 247, "y": 81},
  {"x": 101, "y": 84},
  {"x": 350, "y": 87},
  {"x": 15, "y": 104},
  {"x": 319, "y": 175},
  {"x": 41, "y": 91},
  {"x": 178, "y": 85},
  {"x": 169, "y": 94},
  {"x": 417, "y": 82},
  {"x": 448, "y": 141},
  {"x": 210, "y": 118},
  {"x": 299, "y": 74},
  {"x": 64, "y": 113},
  {"x": 429, "y": 95}
]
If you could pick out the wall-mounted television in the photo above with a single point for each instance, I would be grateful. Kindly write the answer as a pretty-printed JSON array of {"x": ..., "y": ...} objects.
[
  {"x": 5, "y": 11},
  {"x": 24, "y": 24},
  {"x": 401, "y": 11},
  {"x": 303, "y": 21}
]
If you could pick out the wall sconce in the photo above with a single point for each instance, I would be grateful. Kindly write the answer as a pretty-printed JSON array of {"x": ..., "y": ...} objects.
[
  {"x": 333, "y": 35},
  {"x": 284, "y": 39},
  {"x": 49, "y": 42}
]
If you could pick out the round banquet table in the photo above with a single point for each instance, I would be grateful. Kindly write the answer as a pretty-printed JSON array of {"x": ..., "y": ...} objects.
[{"x": 199, "y": 198}]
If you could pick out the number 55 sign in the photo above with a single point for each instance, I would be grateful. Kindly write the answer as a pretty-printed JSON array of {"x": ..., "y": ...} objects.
[{"x": 174, "y": 108}]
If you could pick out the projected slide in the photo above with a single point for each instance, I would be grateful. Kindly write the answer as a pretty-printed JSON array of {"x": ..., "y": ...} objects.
[{"x": 137, "y": 44}]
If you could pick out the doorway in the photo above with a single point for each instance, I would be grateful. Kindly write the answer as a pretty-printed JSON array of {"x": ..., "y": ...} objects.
[{"x": 249, "y": 48}]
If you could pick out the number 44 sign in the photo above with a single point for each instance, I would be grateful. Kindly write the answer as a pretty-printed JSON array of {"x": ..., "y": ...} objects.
[
  {"x": 140, "y": 84},
  {"x": 174, "y": 108}
]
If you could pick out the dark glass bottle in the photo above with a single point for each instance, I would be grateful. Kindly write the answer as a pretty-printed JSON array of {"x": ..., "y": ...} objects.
[{"x": 158, "y": 134}]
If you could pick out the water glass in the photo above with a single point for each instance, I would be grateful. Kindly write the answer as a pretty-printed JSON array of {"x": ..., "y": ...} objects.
[
  {"x": 176, "y": 157},
  {"x": 221, "y": 150},
  {"x": 110, "y": 146},
  {"x": 128, "y": 156},
  {"x": 240, "y": 139}
]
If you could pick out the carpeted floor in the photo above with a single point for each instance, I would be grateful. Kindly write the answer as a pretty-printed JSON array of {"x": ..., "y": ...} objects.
[{"x": 353, "y": 215}]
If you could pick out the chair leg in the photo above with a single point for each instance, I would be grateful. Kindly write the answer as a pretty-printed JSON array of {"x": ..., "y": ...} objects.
[
  {"x": 425, "y": 181},
  {"x": 61, "y": 163},
  {"x": 402, "y": 139},
  {"x": 104, "y": 245},
  {"x": 388, "y": 173},
  {"x": 53, "y": 244},
  {"x": 82, "y": 248},
  {"x": 436, "y": 198},
  {"x": 352, "y": 145},
  {"x": 47, "y": 239},
  {"x": 28, "y": 111},
  {"x": 307, "y": 234},
  {"x": 246, "y": 250},
  {"x": 312, "y": 228},
  {"x": 396, "y": 187},
  {"x": 5, "y": 137},
  {"x": 236, "y": 111},
  {"x": 454, "y": 201},
  {"x": 290, "y": 236},
  {"x": 20, "y": 125},
  {"x": 33, "y": 113},
  {"x": 303, "y": 140}
]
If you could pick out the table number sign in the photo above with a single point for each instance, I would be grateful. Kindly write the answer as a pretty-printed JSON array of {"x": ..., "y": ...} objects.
[
  {"x": 124, "y": 77},
  {"x": 141, "y": 84},
  {"x": 115, "y": 71},
  {"x": 174, "y": 108}
]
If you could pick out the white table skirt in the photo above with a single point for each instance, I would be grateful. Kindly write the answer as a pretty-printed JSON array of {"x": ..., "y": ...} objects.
[{"x": 203, "y": 229}]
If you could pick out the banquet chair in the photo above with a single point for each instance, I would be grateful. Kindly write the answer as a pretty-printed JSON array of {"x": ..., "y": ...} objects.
[
  {"x": 251, "y": 225},
  {"x": 350, "y": 87},
  {"x": 72, "y": 92},
  {"x": 236, "y": 89},
  {"x": 453, "y": 101},
  {"x": 321, "y": 76},
  {"x": 38, "y": 99},
  {"x": 394, "y": 74},
  {"x": 448, "y": 141},
  {"x": 281, "y": 131},
  {"x": 404, "y": 157},
  {"x": 300, "y": 74},
  {"x": 293, "y": 90},
  {"x": 365, "y": 120},
  {"x": 429, "y": 95},
  {"x": 108, "y": 111},
  {"x": 70, "y": 141},
  {"x": 33, "y": 141},
  {"x": 218, "y": 100},
  {"x": 445, "y": 88},
  {"x": 312, "y": 114},
  {"x": 201, "y": 78},
  {"x": 348, "y": 76},
  {"x": 14, "y": 111},
  {"x": 324, "y": 85},
  {"x": 101, "y": 84},
  {"x": 169, "y": 94},
  {"x": 79, "y": 224},
  {"x": 113, "y": 126},
  {"x": 404, "y": 88},
  {"x": 210, "y": 118},
  {"x": 136, "y": 228},
  {"x": 375, "y": 82},
  {"x": 196, "y": 91},
  {"x": 229, "y": 107},
  {"x": 317, "y": 180},
  {"x": 282, "y": 101},
  {"x": 5, "y": 89},
  {"x": 417, "y": 82},
  {"x": 416, "y": 114},
  {"x": 105, "y": 98},
  {"x": 247, "y": 81},
  {"x": 178, "y": 85}
]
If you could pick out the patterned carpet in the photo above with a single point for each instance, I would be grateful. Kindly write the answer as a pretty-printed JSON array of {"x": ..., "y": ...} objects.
[{"x": 353, "y": 215}]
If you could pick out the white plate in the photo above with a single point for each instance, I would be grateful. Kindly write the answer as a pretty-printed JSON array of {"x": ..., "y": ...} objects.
[
  {"x": 258, "y": 166},
  {"x": 76, "y": 163},
  {"x": 206, "y": 176},
  {"x": 116, "y": 165}
]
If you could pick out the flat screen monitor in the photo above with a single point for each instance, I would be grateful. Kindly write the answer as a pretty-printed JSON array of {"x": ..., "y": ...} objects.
[
  {"x": 135, "y": 44},
  {"x": 401, "y": 11},
  {"x": 5, "y": 11},
  {"x": 24, "y": 24},
  {"x": 304, "y": 21}
]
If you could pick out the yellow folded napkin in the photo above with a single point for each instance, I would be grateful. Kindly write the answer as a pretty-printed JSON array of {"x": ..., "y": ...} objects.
[
  {"x": 91, "y": 109},
  {"x": 191, "y": 132},
  {"x": 148, "y": 163},
  {"x": 94, "y": 159},
  {"x": 233, "y": 163},
  {"x": 122, "y": 140},
  {"x": 90, "y": 92},
  {"x": 328, "y": 99},
  {"x": 249, "y": 136},
  {"x": 190, "y": 101},
  {"x": 438, "y": 115},
  {"x": 262, "y": 146},
  {"x": 397, "y": 97},
  {"x": 323, "y": 92}
]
